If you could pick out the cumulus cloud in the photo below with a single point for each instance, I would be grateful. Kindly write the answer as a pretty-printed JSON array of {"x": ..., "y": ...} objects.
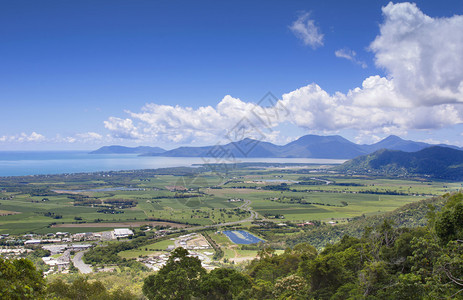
[
  {"x": 23, "y": 137},
  {"x": 377, "y": 91},
  {"x": 34, "y": 137},
  {"x": 314, "y": 109},
  {"x": 122, "y": 128},
  {"x": 309, "y": 107},
  {"x": 305, "y": 29},
  {"x": 421, "y": 54},
  {"x": 422, "y": 89},
  {"x": 350, "y": 55},
  {"x": 231, "y": 117}
]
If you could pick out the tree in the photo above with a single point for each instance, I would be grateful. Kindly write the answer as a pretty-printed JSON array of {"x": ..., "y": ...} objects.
[
  {"x": 82, "y": 289},
  {"x": 291, "y": 287},
  {"x": 449, "y": 222},
  {"x": 306, "y": 250},
  {"x": 178, "y": 279},
  {"x": 336, "y": 266},
  {"x": 223, "y": 284},
  {"x": 19, "y": 279}
]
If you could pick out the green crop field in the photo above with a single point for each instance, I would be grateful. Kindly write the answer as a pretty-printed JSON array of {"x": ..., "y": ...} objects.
[{"x": 38, "y": 204}]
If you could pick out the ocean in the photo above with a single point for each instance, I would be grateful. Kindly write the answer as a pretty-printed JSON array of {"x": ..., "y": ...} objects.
[{"x": 23, "y": 163}]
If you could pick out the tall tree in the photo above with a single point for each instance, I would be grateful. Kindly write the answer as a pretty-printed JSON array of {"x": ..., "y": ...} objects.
[
  {"x": 178, "y": 279},
  {"x": 223, "y": 284}
]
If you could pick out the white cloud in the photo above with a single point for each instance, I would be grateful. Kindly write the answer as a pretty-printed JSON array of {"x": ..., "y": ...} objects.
[
  {"x": 314, "y": 109},
  {"x": 421, "y": 54},
  {"x": 90, "y": 136},
  {"x": 23, "y": 138},
  {"x": 436, "y": 142},
  {"x": 367, "y": 137},
  {"x": 187, "y": 125},
  {"x": 85, "y": 138},
  {"x": 34, "y": 137},
  {"x": 122, "y": 128},
  {"x": 374, "y": 109},
  {"x": 345, "y": 53},
  {"x": 305, "y": 29},
  {"x": 377, "y": 91},
  {"x": 350, "y": 55}
]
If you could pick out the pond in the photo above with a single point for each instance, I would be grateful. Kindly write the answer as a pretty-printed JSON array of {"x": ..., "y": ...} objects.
[{"x": 242, "y": 237}]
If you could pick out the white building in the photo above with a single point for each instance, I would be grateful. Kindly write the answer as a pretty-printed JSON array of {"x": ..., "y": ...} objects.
[
  {"x": 122, "y": 232},
  {"x": 32, "y": 242}
]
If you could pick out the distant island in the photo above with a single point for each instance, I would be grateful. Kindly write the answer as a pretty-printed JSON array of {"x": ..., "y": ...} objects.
[
  {"x": 307, "y": 146},
  {"x": 127, "y": 150}
]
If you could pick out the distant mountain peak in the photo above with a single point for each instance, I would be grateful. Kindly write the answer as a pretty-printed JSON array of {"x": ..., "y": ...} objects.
[{"x": 393, "y": 138}]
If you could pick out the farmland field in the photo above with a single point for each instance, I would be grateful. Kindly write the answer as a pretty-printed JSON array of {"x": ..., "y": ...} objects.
[{"x": 199, "y": 197}]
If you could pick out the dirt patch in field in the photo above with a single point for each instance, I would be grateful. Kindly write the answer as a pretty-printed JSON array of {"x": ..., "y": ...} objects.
[
  {"x": 7, "y": 212},
  {"x": 234, "y": 191},
  {"x": 121, "y": 224},
  {"x": 67, "y": 192},
  {"x": 242, "y": 259},
  {"x": 199, "y": 241}
]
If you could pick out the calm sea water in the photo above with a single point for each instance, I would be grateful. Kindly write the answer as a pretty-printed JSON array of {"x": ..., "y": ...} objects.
[{"x": 18, "y": 163}]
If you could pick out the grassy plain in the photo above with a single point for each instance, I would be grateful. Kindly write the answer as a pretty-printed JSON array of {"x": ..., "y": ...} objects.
[
  {"x": 147, "y": 250},
  {"x": 37, "y": 204}
]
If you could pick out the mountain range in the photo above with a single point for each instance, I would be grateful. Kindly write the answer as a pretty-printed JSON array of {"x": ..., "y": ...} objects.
[
  {"x": 435, "y": 162},
  {"x": 307, "y": 146}
]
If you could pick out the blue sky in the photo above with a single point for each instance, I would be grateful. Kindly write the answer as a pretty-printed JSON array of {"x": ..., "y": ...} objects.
[{"x": 82, "y": 74}]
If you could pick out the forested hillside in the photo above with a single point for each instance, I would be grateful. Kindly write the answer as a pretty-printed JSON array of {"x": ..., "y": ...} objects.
[{"x": 434, "y": 162}]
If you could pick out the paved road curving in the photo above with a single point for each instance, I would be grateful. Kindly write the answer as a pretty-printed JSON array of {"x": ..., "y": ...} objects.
[{"x": 79, "y": 263}]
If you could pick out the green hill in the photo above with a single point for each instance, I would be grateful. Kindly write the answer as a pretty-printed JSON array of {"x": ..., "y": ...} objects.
[{"x": 434, "y": 162}]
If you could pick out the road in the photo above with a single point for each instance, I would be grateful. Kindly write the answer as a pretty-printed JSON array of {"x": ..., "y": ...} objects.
[{"x": 79, "y": 263}]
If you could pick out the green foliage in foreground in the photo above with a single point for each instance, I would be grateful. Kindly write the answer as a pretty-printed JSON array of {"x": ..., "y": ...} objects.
[
  {"x": 178, "y": 279},
  {"x": 20, "y": 280},
  {"x": 81, "y": 288}
]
